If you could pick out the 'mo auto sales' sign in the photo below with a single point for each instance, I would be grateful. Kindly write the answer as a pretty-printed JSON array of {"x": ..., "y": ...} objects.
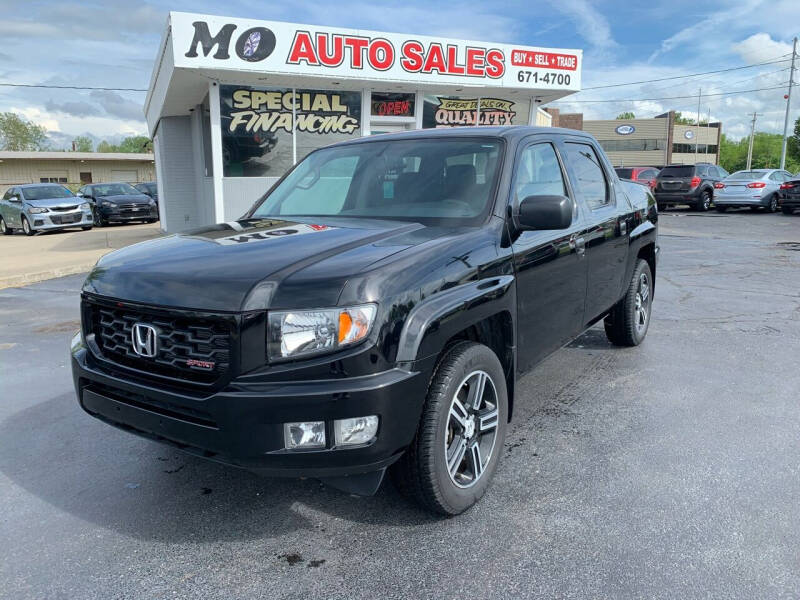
[{"x": 203, "y": 41}]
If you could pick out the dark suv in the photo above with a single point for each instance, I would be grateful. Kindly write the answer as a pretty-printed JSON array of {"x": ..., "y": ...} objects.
[
  {"x": 374, "y": 309},
  {"x": 688, "y": 184}
]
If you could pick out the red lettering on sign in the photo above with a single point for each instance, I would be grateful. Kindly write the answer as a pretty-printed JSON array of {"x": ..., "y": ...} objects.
[
  {"x": 381, "y": 54},
  {"x": 475, "y": 61},
  {"x": 302, "y": 49},
  {"x": 495, "y": 63},
  {"x": 412, "y": 56},
  {"x": 335, "y": 58},
  {"x": 357, "y": 46},
  {"x": 435, "y": 60},
  {"x": 452, "y": 61}
]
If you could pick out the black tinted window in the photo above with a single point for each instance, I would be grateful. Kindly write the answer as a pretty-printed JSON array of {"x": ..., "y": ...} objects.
[
  {"x": 679, "y": 171},
  {"x": 539, "y": 173},
  {"x": 590, "y": 179}
]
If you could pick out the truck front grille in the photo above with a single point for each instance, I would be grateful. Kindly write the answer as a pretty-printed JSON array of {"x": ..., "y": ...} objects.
[{"x": 192, "y": 350}]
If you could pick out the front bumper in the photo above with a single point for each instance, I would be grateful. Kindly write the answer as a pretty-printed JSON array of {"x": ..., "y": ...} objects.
[
  {"x": 242, "y": 424},
  {"x": 120, "y": 216},
  {"x": 60, "y": 220}
]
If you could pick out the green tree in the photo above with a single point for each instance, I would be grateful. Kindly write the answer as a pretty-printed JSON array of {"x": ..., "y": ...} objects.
[
  {"x": 793, "y": 145},
  {"x": 766, "y": 153},
  {"x": 17, "y": 133},
  {"x": 137, "y": 143},
  {"x": 82, "y": 143},
  {"x": 105, "y": 147},
  {"x": 626, "y": 115}
]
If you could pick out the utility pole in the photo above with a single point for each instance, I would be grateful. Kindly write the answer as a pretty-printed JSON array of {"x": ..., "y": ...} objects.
[
  {"x": 750, "y": 145},
  {"x": 788, "y": 105},
  {"x": 697, "y": 124}
]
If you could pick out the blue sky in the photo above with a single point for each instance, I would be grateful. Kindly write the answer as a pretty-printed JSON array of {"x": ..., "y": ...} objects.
[{"x": 113, "y": 43}]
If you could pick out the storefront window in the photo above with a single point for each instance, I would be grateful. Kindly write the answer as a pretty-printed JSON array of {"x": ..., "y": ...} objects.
[
  {"x": 257, "y": 126},
  {"x": 455, "y": 111}
]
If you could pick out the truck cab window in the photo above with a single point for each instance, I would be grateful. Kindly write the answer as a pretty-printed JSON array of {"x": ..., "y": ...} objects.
[
  {"x": 539, "y": 173},
  {"x": 590, "y": 178}
]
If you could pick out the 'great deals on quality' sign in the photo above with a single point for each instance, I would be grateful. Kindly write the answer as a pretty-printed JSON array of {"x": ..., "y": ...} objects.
[{"x": 204, "y": 41}]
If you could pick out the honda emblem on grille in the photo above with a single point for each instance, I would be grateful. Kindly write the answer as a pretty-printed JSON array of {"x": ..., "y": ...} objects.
[{"x": 145, "y": 340}]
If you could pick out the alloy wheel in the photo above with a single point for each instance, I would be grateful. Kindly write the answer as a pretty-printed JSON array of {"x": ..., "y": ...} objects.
[
  {"x": 3, "y": 228},
  {"x": 642, "y": 304},
  {"x": 26, "y": 227},
  {"x": 773, "y": 204},
  {"x": 471, "y": 429}
]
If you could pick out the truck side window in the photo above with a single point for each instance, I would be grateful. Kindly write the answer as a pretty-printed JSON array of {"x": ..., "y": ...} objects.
[
  {"x": 590, "y": 178},
  {"x": 539, "y": 173}
]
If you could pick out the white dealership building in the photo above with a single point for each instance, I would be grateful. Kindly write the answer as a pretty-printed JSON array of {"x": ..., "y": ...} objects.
[{"x": 234, "y": 103}]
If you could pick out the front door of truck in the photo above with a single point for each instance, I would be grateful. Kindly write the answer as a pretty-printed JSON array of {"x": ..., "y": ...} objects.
[
  {"x": 550, "y": 266},
  {"x": 606, "y": 225}
]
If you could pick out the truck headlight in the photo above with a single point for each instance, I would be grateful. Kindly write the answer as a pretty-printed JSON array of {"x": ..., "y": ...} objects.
[
  {"x": 107, "y": 204},
  {"x": 302, "y": 332},
  {"x": 35, "y": 210},
  {"x": 85, "y": 206}
]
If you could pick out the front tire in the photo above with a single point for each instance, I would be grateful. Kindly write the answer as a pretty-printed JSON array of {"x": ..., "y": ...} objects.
[
  {"x": 5, "y": 229},
  {"x": 452, "y": 459},
  {"x": 99, "y": 221},
  {"x": 26, "y": 226},
  {"x": 629, "y": 320},
  {"x": 787, "y": 210}
]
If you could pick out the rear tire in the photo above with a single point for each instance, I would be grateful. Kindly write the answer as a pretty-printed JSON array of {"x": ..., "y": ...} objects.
[
  {"x": 704, "y": 202},
  {"x": 4, "y": 229},
  {"x": 87, "y": 228},
  {"x": 450, "y": 463},
  {"x": 773, "y": 204},
  {"x": 26, "y": 226},
  {"x": 629, "y": 320}
]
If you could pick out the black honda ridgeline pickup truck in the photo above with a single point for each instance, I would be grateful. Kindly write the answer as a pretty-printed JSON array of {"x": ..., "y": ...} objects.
[{"x": 374, "y": 310}]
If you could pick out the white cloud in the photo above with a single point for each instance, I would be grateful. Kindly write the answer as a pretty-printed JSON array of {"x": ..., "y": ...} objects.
[
  {"x": 589, "y": 22},
  {"x": 760, "y": 47}
]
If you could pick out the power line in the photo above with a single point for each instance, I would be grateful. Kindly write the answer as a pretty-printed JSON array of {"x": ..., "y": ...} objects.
[
  {"x": 779, "y": 59},
  {"x": 71, "y": 87},
  {"x": 618, "y": 100}
]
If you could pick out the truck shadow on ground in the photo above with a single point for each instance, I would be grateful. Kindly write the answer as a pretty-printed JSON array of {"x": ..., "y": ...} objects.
[{"x": 147, "y": 491}]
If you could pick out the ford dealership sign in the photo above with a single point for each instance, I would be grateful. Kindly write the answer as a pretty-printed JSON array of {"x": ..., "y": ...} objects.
[{"x": 625, "y": 129}]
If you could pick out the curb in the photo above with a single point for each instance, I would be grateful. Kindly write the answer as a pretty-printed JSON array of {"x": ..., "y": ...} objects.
[{"x": 28, "y": 278}]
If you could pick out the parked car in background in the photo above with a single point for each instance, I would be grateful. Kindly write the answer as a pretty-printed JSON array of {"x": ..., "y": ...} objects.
[
  {"x": 150, "y": 188},
  {"x": 756, "y": 188},
  {"x": 789, "y": 195},
  {"x": 42, "y": 207},
  {"x": 119, "y": 203},
  {"x": 688, "y": 184},
  {"x": 644, "y": 175}
]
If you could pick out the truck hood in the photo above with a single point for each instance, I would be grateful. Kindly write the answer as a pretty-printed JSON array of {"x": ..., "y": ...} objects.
[{"x": 242, "y": 265}]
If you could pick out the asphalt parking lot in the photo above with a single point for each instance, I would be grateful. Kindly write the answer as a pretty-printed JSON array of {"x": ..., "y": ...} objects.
[{"x": 666, "y": 471}]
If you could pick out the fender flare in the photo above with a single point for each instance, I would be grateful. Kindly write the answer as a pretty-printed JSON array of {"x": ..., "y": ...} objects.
[{"x": 443, "y": 304}]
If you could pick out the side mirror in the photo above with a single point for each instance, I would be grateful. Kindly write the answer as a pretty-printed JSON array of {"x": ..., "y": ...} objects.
[
  {"x": 14, "y": 199},
  {"x": 79, "y": 194},
  {"x": 545, "y": 212}
]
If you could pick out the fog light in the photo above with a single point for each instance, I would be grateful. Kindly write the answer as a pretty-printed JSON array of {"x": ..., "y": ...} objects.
[
  {"x": 309, "y": 434},
  {"x": 359, "y": 430}
]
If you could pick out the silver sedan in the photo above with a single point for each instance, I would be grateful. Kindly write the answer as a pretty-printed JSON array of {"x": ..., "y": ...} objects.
[{"x": 756, "y": 188}]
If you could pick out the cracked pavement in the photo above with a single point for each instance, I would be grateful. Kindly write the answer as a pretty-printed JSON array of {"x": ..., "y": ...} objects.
[{"x": 664, "y": 471}]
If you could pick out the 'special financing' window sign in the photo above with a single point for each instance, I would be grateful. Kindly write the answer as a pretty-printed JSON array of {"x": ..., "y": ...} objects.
[
  {"x": 210, "y": 42},
  {"x": 257, "y": 126}
]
